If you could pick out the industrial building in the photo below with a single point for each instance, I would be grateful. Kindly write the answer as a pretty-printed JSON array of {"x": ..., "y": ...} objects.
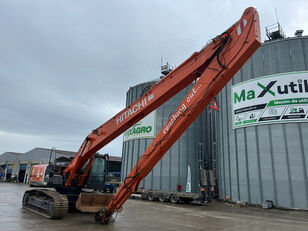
[
  {"x": 170, "y": 173},
  {"x": 17, "y": 166},
  {"x": 264, "y": 157},
  {"x": 255, "y": 144}
]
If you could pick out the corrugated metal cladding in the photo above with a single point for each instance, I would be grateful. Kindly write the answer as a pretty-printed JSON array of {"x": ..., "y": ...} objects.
[
  {"x": 172, "y": 169},
  {"x": 265, "y": 162}
]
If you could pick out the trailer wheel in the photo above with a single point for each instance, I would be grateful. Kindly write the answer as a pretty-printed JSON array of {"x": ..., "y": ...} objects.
[
  {"x": 162, "y": 197},
  {"x": 151, "y": 196},
  {"x": 174, "y": 199}
]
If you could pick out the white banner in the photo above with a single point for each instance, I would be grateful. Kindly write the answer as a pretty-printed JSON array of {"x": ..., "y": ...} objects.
[
  {"x": 145, "y": 128},
  {"x": 188, "y": 184},
  {"x": 271, "y": 99}
]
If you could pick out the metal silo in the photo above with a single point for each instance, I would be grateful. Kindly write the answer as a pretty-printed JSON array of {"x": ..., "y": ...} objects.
[
  {"x": 263, "y": 156},
  {"x": 172, "y": 169}
]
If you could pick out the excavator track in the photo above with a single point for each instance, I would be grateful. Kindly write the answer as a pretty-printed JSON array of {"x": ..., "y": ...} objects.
[{"x": 47, "y": 203}]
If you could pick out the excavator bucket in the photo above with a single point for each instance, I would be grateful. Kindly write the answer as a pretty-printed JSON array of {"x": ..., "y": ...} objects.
[{"x": 92, "y": 202}]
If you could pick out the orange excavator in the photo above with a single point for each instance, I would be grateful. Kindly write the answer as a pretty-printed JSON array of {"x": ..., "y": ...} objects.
[{"x": 210, "y": 70}]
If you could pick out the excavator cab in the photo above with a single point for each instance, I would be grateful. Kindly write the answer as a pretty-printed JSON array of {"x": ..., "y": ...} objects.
[{"x": 97, "y": 176}]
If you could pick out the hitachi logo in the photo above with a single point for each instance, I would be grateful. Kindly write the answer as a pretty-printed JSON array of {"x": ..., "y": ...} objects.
[
  {"x": 293, "y": 87},
  {"x": 132, "y": 110}
]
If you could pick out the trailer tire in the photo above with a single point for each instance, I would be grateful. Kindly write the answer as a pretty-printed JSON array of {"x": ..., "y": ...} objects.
[
  {"x": 174, "y": 199},
  {"x": 151, "y": 196},
  {"x": 162, "y": 197}
]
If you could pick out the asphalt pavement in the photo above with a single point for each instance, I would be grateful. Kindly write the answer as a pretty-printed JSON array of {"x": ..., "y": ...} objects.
[{"x": 145, "y": 215}]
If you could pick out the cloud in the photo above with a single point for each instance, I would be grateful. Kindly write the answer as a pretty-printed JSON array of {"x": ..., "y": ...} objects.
[{"x": 65, "y": 66}]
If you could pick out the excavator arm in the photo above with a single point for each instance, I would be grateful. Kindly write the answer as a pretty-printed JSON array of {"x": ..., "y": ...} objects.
[
  {"x": 157, "y": 94},
  {"x": 235, "y": 46},
  {"x": 211, "y": 69}
]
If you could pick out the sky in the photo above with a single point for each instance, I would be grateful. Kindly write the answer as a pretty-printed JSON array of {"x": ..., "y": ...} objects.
[{"x": 65, "y": 66}]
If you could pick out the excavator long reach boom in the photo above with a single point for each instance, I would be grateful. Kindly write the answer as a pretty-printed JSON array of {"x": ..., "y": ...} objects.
[{"x": 210, "y": 69}]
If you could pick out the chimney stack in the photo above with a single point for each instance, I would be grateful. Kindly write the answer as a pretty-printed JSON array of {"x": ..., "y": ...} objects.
[{"x": 299, "y": 33}]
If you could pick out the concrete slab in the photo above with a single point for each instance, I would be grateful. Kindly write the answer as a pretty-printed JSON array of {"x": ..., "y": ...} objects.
[{"x": 144, "y": 215}]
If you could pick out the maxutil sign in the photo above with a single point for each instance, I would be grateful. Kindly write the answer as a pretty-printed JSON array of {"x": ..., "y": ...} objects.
[
  {"x": 271, "y": 99},
  {"x": 145, "y": 128}
]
